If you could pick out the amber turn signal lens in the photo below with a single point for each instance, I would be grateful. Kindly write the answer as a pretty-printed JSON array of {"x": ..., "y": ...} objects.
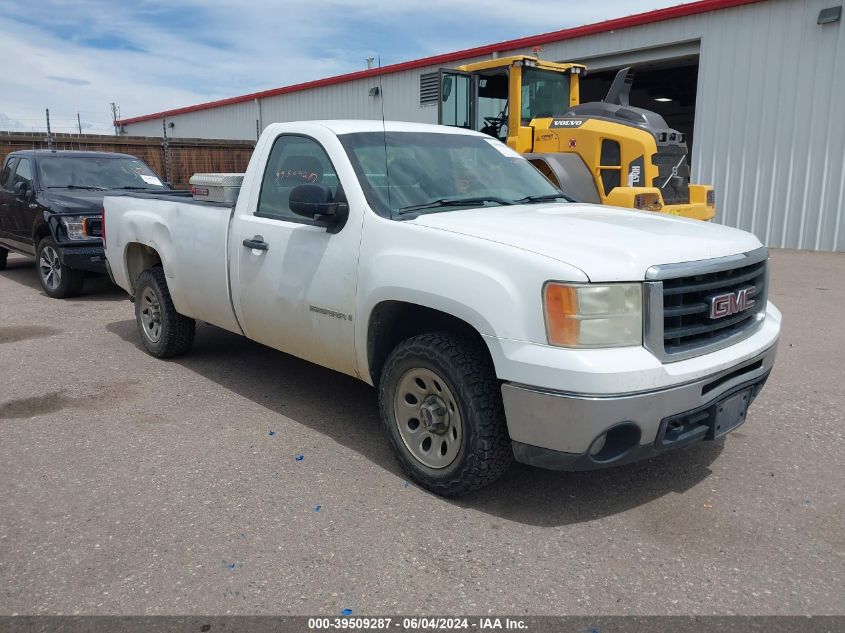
[{"x": 561, "y": 310}]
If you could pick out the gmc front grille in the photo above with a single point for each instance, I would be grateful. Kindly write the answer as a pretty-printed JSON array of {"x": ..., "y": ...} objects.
[{"x": 681, "y": 318}]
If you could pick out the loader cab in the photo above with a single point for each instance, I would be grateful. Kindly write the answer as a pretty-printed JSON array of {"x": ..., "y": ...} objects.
[
  {"x": 501, "y": 97},
  {"x": 476, "y": 101}
]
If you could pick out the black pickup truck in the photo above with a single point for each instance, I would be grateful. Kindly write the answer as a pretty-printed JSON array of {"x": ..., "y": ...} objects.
[{"x": 50, "y": 207}]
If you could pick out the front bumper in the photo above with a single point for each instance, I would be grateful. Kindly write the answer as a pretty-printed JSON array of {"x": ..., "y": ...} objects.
[
  {"x": 557, "y": 430},
  {"x": 90, "y": 257}
]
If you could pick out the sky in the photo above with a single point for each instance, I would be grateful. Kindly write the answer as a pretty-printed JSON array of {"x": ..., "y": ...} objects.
[{"x": 77, "y": 57}]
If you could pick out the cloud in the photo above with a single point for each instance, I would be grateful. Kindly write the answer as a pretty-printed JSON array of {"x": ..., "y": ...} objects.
[
  {"x": 9, "y": 124},
  {"x": 70, "y": 80},
  {"x": 155, "y": 55}
]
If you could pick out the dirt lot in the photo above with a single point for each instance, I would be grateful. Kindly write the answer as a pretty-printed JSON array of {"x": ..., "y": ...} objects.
[{"x": 131, "y": 485}]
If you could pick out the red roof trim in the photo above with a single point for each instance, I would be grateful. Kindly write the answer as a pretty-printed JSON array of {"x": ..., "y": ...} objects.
[{"x": 659, "y": 15}]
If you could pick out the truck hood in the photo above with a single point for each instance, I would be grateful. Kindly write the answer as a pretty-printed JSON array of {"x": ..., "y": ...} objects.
[
  {"x": 73, "y": 203},
  {"x": 607, "y": 243}
]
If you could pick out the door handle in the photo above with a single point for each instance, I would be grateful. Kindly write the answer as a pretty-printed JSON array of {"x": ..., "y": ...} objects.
[{"x": 257, "y": 243}]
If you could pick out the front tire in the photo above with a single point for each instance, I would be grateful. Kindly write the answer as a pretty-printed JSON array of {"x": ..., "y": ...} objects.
[
  {"x": 57, "y": 280},
  {"x": 442, "y": 408},
  {"x": 4, "y": 255},
  {"x": 164, "y": 332}
]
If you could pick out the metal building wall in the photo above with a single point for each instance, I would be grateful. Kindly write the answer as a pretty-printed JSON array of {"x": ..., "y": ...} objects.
[
  {"x": 769, "y": 126},
  {"x": 770, "y": 113},
  {"x": 348, "y": 100}
]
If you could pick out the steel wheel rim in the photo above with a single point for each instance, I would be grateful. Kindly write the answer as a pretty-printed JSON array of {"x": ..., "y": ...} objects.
[
  {"x": 150, "y": 311},
  {"x": 427, "y": 418},
  {"x": 50, "y": 267}
]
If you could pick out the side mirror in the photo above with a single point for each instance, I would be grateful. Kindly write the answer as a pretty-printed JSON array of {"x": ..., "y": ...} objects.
[
  {"x": 311, "y": 200},
  {"x": 317, "y": 202},
  {"x": 21, "y": 189}
]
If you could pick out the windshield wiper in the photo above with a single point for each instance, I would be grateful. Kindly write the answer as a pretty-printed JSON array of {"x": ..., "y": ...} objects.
[
  {"x": 546, "y": 198},
  {"x": 134, "y": 188},
  {"x": 453, "y": 202},
  {"x": 87, "y": 187}
]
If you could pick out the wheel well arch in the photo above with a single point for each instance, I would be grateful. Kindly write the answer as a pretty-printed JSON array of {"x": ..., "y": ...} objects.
[
  {"x": 39, "y": 232},
  {"x": 392, "y": 322},
  {"x": 139, "y": 257}
]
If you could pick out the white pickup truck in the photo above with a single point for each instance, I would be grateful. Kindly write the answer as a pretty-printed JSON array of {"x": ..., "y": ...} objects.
[{"x": 498, "y": 319}]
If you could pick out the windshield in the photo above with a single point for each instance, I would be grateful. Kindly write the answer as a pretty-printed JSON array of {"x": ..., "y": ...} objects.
[
  {"x": 94, "y": 172},
  {"x": 545, "y": 93},
  {"x": 424, "y": 172}
]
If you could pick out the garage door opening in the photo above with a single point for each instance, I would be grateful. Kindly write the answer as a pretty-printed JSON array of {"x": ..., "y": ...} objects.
[{"x": 667, "y": 87}]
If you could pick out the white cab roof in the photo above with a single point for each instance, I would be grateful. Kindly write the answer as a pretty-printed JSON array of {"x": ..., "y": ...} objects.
[{"x": 349, "y": 126}]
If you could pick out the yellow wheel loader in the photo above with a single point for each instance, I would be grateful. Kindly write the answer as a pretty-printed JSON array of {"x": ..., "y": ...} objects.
[{"x": 606, "y": 152}]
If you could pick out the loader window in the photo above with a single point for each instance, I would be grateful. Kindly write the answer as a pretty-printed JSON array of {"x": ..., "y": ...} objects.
[
  {"x": 545, "y": 93},
  {"x": 492, "y": 105},
  {"x": 610, "y": 165},
  {"x": 455, "y": 102}
]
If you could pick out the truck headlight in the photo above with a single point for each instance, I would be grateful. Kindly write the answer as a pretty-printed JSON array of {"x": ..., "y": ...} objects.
[
  {"x": 593, "y": 315},
  {"x": 75, "y": 227}
]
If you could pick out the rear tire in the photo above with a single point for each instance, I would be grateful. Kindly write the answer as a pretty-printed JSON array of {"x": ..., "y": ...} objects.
[
  {"x": 164, "y": 332},
  {"x": 442, "y": 408},
  {"x": 57, "y": 280},
  {"x": 4, "y": 255}
]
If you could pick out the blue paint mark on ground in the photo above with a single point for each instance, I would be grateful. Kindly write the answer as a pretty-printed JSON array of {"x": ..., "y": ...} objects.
[
  {"x": 231, "y": 565},
  {"x": 271, "y": 433},
  {"x": 346, "y": 612},
  {"x": 317, "y": 508},
  {"x": 299, "y": 458}
]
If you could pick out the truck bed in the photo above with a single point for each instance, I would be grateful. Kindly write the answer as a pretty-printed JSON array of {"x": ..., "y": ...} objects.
[
  {"x": 183, "y": 196},
  {"x": 190, "y": 236}
]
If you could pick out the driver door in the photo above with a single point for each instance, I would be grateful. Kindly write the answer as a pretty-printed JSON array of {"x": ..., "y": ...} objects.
[
  {"x": 296, "y": 290},
  {"x": 7, "y": 198},
  {"x": 23, "y": 208}
]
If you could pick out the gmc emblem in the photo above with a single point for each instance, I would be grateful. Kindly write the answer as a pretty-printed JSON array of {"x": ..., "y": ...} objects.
[{"x": 732, "y": 302}]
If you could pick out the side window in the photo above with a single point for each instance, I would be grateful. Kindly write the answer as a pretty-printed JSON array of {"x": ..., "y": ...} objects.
[
  {"x": 294, "y": 160},
  {"x": 23, "y": 173},
  {"x": 6, "y": 175}
]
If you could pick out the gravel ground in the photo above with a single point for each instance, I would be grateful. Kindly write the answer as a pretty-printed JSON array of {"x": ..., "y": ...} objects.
[{"x": 131, "y": 485}]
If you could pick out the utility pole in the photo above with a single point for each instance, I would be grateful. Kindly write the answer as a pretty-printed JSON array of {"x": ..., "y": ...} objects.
[
  {"x": 164, "y": 146},
  {"x": 49, "y": 134},
  {"x": 115, "y": 115},
  {"x": 79, "y": 123}
]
